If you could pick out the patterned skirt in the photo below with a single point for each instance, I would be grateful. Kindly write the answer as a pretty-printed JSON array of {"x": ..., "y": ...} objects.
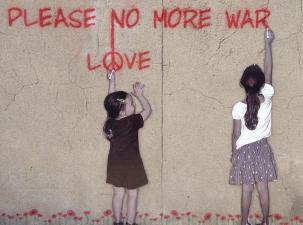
[{"x": 253, "y": 163}]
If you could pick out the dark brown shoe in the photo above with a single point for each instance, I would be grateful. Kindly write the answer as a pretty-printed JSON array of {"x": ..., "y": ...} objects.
[{"x": 119, "y": 223}]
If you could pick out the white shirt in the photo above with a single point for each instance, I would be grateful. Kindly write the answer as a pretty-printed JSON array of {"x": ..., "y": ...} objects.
[{"x": 263, "y": 129}]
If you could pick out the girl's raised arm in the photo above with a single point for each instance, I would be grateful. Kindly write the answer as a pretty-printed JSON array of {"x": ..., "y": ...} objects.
[
  {"x": 269, "y": 37},
  {"x": 138, "y": 92},
  {"x": 111, "y": 76}
]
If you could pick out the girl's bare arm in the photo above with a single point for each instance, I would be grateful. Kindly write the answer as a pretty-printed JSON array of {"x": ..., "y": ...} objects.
[
  {"x": 138, "y": 92},
  {"x": 268, "y": 64},
  {"x": 236, "y": 133}
]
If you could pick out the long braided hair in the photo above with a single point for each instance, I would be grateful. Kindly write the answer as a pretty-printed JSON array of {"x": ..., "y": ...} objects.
[{"x": 252, "y": 81}]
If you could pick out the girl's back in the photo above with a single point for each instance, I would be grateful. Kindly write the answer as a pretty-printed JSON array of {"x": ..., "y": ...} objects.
[{"x": 124, "y": 142}]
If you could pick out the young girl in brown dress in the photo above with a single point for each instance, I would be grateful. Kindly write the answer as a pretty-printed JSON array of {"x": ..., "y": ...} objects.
[
  {"x": 252, "y": 158},
  {"x": 125, "y": 170}
]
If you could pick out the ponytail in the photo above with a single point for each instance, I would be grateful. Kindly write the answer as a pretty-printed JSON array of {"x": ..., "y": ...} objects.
[
  {"x": 251, "y": 115},
  {"x": 107, "y": 129}
]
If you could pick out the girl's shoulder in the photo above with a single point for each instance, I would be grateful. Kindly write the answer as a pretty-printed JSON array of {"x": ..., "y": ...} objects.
[
  {"x": 267, "y": 91},
  {"x": 239, "y": 110},
  {"x": 135, "y": 120},
  {"x": 240, "y": 104}
]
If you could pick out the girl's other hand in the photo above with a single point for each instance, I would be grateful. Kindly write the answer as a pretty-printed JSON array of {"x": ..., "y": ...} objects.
[
  {"x": 138, "y": 89},
  {"x": 269, "y": 35}
]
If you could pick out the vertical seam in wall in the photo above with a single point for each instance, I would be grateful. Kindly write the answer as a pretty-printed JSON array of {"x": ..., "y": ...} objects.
[{"x": 162, "y": 88}]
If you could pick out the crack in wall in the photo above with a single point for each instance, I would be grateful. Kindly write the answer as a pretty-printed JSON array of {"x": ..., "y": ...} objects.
[
  {"x": 292, "y": 99},
  {"x": 221, "y": 41},
  {"x": 201, "y": 93},
  {"x": 162, "y": 111},
  {"x": 18, "y": 92}
]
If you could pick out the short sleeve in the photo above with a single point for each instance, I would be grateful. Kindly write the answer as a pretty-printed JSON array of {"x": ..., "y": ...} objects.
[
  {"x": 138, "y": 121},
  {"x": 236, "y": 112},
  {"x": 267, "y": 91}
]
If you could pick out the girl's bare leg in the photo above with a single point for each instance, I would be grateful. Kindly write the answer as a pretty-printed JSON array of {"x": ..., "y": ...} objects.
[
  {"x": 132, "y": 201},
  {"x": 263, "y": 191},
  {"x": 247, "y": 190},
  {"x": 118, "y": 197}
]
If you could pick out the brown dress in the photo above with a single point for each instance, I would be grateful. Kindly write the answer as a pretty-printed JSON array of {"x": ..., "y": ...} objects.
[{"x": 124, "y": 165}]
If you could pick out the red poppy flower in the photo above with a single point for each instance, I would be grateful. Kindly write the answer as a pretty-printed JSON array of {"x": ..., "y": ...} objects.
[
  {"x": 54, "y": 216},
  {"x": 222, "y": 218},
  {"x": 33, "y": 212},
  {"x": 71, "y": 213},
  {"x": 166, "y": 217},
  {"x": 80, "y": 218},
  {"x": 97, "y": 220},
  {"x": 188, "y": 213},
  {"x": 87, "y": 212},
  {"x": 146, "y": 214},
  {"x": 194, "y": 215},
  {"x": 59, "y": 213},
  {"x": 238, "y": 216},
  {"x": 182, "y": 214},
  {"x": 232, "y": 219},
  {"x": 25, "y": 214},
  {"x": 174, "y": 213},
  {"x": 301, "y": 221},
  {"x": 64, "y": 215},
  {"x": 277, "y": 216},
  {"x": 75, "y": 217},
  {"x": 20, "y": 218},
  {"x": 10, "y": 217},
  {"x": 230, "y": 216},
  {"x": 17, "y": 214},
  {"x": 178, "y": 217},
  {"x": 49, "y": 220},
  {"x": 258, "y": 216},
  {"x": 39, "y": 215},
  {"x": 296, "y": 218},
  {"x": 3, "y": 214},
  {"x": 161, "y": 215},
  {"x": 107, "y": 212},
  {"x": 207, "y": 216}
]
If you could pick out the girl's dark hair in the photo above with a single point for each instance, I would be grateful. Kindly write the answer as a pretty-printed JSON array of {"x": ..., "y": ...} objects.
[
  {"x": 113, "y": 104},
  {"x": 252, "y": 81}
]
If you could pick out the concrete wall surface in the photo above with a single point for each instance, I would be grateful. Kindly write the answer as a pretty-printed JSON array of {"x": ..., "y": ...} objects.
[{"x": 53, "y": 154}]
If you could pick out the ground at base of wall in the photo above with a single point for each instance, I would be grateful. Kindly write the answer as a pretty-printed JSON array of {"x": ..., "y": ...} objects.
[{"x": 70, "y": 217}]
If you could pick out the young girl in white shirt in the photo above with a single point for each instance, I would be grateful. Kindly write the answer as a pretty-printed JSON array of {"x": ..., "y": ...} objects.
[{"x": 252, "y": 158}]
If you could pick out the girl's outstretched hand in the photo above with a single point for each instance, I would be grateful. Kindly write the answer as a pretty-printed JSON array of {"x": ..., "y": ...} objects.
[
  {"x": 111, "y": 75},
  {"x": 269, "y": 36},
  {"x": 138, "y": 89}
]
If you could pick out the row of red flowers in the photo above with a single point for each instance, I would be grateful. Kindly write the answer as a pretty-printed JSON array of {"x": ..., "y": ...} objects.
[{"x": 174, "y": 214}]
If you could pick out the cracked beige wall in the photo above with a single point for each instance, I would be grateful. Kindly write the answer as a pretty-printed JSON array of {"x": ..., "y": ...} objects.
[{"x": 53, "y": 156}]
